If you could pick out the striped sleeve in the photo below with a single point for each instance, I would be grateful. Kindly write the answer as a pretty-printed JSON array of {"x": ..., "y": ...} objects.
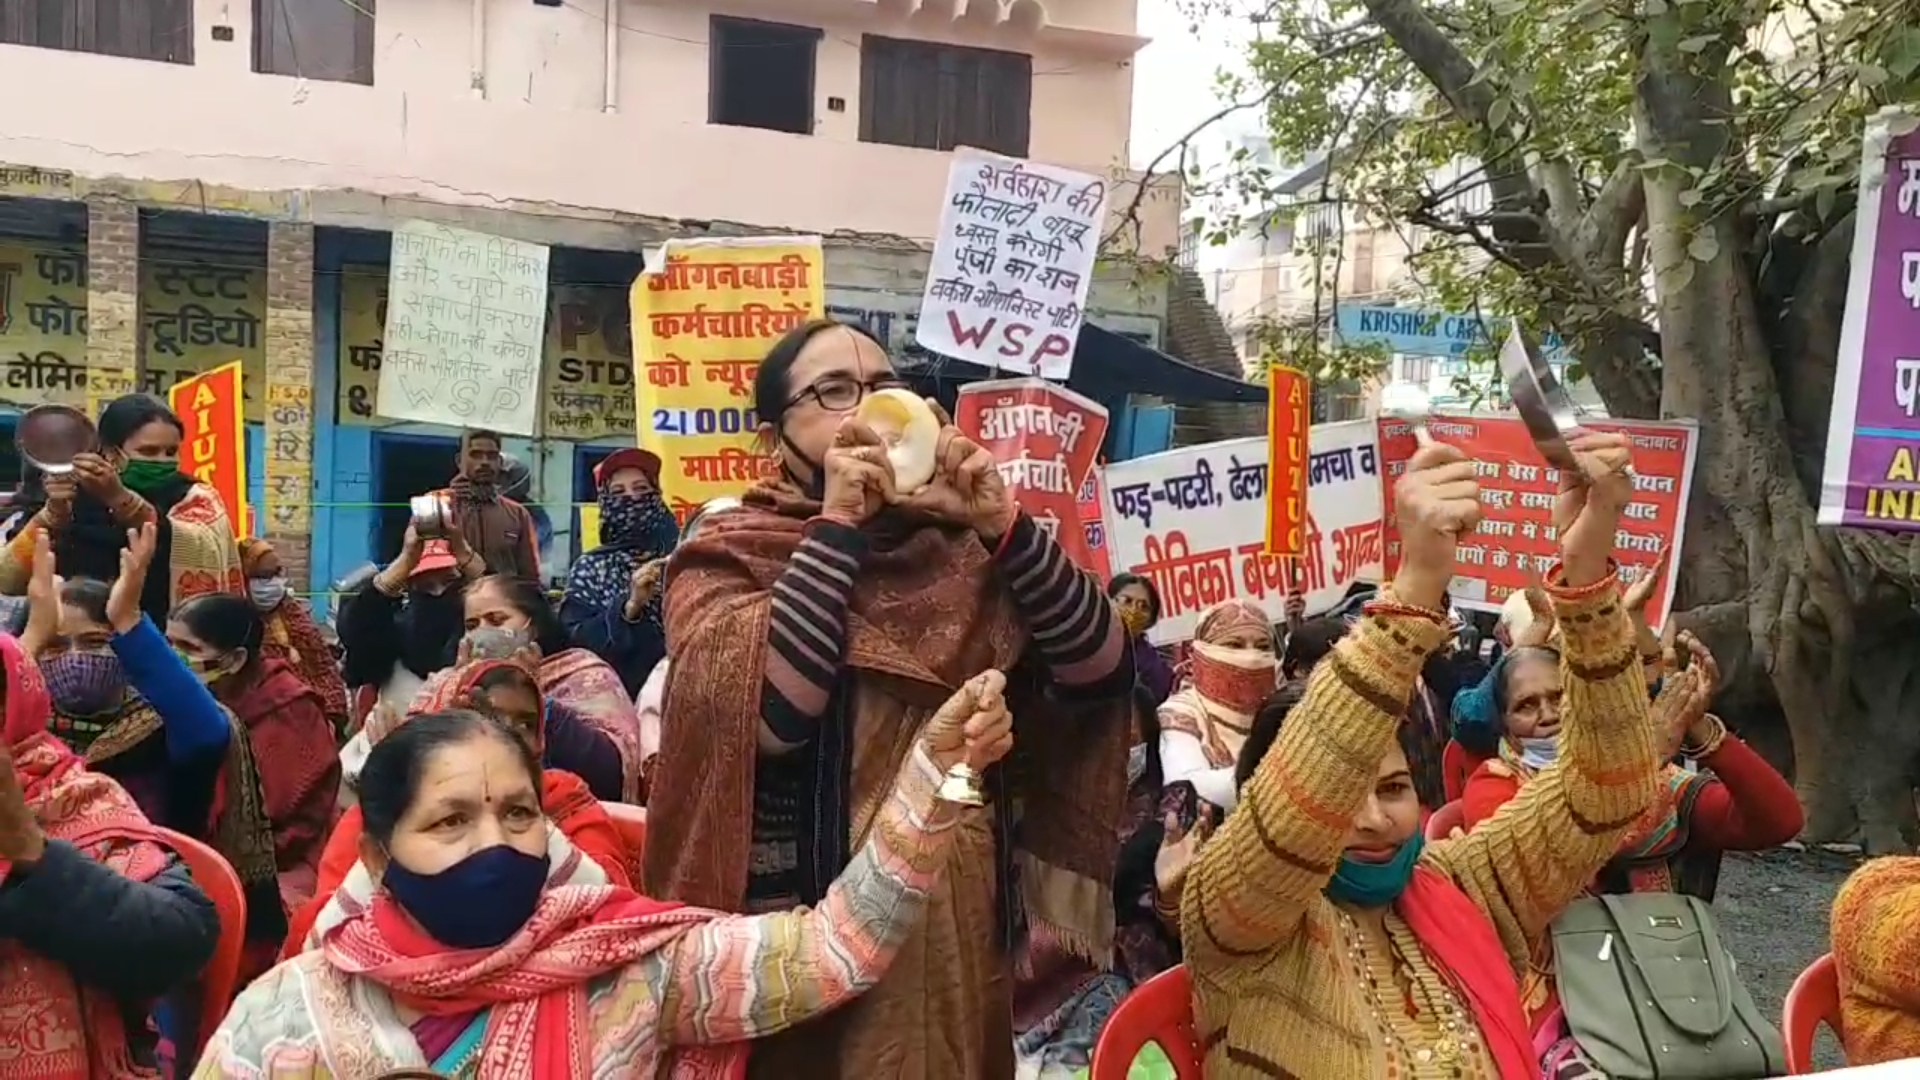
[
  {"x": 747, "y": 976},
  {"x": 1072, "y": 621},
  {"x": 807, "y": 629},
  {"x": 1251, "y": 884}
]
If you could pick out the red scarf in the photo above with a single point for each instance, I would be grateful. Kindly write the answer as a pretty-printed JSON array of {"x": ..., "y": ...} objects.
[
  {"x": 535, "y": 984},
  {"x": 1462, "y": 942},
  {"x": 61, "y": 1030},
  {"x": 1241, "y": 689}
]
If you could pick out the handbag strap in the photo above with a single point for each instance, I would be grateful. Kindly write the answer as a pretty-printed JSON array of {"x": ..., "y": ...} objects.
[{"x": 1718, "y": 967}]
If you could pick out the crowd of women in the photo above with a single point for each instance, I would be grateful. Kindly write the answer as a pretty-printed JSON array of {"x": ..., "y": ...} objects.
[{"x": 1366, "y": 839}]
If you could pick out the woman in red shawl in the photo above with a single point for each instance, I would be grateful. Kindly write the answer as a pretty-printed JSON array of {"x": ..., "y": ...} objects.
[
  {"x": 291, "y": 633},
  {"x": 474, "y": 940},
  {"x": 506, "y": 692},
  {"x": 84, "y": 885},
  {"x": 219, "y": 637}
]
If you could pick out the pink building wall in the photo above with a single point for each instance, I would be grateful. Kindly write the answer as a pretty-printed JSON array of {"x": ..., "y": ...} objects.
[{"x": 552, "y": 128}]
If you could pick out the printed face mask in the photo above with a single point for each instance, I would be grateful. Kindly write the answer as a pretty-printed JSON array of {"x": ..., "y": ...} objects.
[{"x": 85, "y": 682}]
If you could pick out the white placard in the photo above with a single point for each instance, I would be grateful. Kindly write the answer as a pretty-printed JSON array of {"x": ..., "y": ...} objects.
[
  {"x": 466, "y": 322},
  {"x": 1193, "y": 521},
  {"x": 1012, "y": 263}
]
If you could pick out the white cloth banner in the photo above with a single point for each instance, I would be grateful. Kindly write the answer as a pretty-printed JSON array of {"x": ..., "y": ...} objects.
[{"x": 1193, "y": 521}]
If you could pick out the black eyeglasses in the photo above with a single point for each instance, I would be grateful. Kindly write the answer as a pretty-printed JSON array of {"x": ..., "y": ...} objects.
[{"x": 837, "y": 393}]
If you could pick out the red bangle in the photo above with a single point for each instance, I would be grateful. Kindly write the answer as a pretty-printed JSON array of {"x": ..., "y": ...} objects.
[
  {"x": 1391, "y": 607},
  {"x": 1558, "y": 571}
]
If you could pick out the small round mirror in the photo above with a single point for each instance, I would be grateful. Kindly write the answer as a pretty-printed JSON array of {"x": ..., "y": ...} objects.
[{"x": 51, "y": 436}]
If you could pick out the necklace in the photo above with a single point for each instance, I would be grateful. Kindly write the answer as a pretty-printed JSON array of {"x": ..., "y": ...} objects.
[{"x": 1409, "y": 1002}]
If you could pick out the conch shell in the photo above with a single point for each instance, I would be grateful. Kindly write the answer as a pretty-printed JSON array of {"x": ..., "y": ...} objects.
[{"x": 907, "y": 425}]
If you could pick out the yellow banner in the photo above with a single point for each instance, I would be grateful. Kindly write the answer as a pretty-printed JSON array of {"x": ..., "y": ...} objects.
[
  {"x": 700, "y": 326},
  {"x": 43, "y": 326},
  {"x": 363, "y": 319},
  {"x": 586, "y": 370},
  {"x": 199, "y": 313}
]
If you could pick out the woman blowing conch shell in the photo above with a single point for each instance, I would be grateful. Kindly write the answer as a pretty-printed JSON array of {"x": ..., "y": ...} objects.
[{"x": 811, "y": 631}]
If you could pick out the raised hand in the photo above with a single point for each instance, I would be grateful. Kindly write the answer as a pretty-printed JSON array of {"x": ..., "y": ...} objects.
[
  {"x": 1178, "y": 848},
  {"x": 123, "y": 600},
  {"x": 1639, "y": 594},
  {"x": 643, "y": 586},
  {"x": 43, "y": 597},
  {"x": 859, "y": 479},
  {"x": 973, "y": 726},
  {"x": 98, "y": 478},
  {"x": 1436, "y": 501},
  {"x": 966, "y": 488},
  {"x": 1587, "y": 512}
]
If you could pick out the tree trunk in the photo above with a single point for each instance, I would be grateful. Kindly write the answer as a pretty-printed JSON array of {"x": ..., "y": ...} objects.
[{"x": 1799, "y": 609}]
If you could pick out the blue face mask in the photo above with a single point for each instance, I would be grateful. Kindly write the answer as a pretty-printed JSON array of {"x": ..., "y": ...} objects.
[
  {"x": 510, "y": 880},
  {"x": 1370, "y": 885},
  {"x": 1540, "y": 753}
]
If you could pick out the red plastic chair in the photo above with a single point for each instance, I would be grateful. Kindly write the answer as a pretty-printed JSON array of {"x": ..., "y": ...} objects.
[
  {"x": 1813, "y": 1000},
  {"x": 216, "y": 878},
  {"x": 1160, "y": 1010},
  {"x": 1442, "y": 822},
  {"x": 630, "y": 822}
]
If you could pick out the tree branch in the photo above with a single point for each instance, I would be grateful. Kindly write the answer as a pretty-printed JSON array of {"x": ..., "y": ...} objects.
[{"x": 1274, "y": 85}]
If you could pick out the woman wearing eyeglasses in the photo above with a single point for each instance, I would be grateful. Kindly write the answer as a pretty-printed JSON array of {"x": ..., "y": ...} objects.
[{"x": 811, "y": 632}]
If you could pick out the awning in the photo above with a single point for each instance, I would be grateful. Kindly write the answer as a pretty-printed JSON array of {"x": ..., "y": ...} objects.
[{"x": 1107, "y": 367}]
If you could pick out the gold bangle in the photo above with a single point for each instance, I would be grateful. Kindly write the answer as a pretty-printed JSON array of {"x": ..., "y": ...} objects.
[{"x": 1716, "y": 735}]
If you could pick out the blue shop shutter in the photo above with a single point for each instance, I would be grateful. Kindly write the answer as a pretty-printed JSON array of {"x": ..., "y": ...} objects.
[{"x": 1152, "y": 431}]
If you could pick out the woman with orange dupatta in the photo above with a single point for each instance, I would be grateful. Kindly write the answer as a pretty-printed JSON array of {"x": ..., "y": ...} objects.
[
  {"x": 812, "y": 630},
  {"x": 473, "y": 939},
  {"x": 84, "y": 884},
  {"x": 502, "y": 691},
  {"x": 292, "y": 635}
]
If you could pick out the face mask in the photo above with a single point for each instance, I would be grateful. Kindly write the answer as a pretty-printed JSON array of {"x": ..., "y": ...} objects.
[
  {"x": 443, "y": 904},
  {"x": 85, "y": 683},
  {"x": 1234, "y": 679},
  {"x": 640, "y": 520},
  {"x": 1135, "y": 620},
  {"x": 267, "y": 593},
  {"x": 1540, "y": 753},
  {"x": 1371, "y": 885},
  {"x": 496, "y": 642},
  {"x": 209, "y": 671},
  {"x": 815, "y": 488},
  {"x": 143, "y": 476}
]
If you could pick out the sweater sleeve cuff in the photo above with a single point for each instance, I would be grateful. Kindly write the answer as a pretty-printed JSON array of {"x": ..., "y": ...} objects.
[
  {"x": 1593, "y": 625},
  {"x": 842, "y": 538},
  {"x": 1411, "y": 634}
]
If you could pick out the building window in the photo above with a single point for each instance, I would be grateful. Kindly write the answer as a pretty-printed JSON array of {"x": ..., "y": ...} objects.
[
  {"x": 330, "y": 41},
  {"x": 937, "y": 97},
  {"x": 761, "y": 75},
  {"x": 136, "y": 29}
]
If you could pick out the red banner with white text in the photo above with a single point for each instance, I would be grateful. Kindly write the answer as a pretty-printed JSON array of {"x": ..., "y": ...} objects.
[
  {"x": 1046, "y": 439},
  {"x": 213, "y": 450},
  {"x": 1516, "y": 538}
]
